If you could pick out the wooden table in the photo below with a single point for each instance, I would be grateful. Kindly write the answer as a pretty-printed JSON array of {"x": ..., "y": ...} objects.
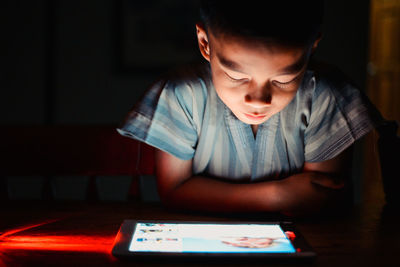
[{"x": 82, "y": 234}]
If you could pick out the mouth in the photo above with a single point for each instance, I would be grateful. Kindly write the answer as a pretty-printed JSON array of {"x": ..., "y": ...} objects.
[{"x": 255, "y": 117}]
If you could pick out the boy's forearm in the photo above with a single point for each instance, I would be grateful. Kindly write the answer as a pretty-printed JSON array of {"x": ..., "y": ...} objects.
[
  {"x": 204, "y": 193},
  {"x": 293, "y": 193}
]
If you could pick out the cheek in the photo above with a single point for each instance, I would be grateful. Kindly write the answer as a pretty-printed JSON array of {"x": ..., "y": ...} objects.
[
  {"x": 227, "y": 95},
  {"x": 284, "y": 98},
  {"x": 224, "y": 89}
]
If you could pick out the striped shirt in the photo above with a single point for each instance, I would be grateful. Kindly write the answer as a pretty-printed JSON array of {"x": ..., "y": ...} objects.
[{"x": 184, "y": 116}]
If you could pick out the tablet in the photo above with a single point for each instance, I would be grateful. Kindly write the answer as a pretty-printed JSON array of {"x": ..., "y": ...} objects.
[{"x": 210, "y": 239}]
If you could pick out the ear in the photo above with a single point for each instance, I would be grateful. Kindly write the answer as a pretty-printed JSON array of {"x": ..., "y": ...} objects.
[
  {"x": 202, "y": 39},
  {"x": 316, "y": 42}
]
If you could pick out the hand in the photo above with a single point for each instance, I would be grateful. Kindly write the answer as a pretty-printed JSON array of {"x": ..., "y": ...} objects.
[
  {"x": 326, "y": 180},
  {"x": 306, "y": 192}
]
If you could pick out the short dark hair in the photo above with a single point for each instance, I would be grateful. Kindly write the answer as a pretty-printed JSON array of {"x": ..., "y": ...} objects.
[{"x": 283, "y": 22}]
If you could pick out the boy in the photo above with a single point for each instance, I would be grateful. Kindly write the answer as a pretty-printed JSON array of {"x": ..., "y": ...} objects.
[{"x": 254, "y": 129}]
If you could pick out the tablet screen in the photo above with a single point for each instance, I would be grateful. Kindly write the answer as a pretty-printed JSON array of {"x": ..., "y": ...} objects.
[{"x": 209, "y": 238}]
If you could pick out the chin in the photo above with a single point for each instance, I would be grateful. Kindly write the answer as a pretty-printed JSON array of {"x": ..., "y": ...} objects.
[{"x": 252, "y": 122}]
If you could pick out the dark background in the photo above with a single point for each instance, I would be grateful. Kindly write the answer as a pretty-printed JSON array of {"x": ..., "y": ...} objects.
[{"x": 70, "y": 62}]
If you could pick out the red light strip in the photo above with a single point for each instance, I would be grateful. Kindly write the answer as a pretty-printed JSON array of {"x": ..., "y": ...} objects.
[
  {"x": 78, "y": 243},
  {"x": 21, "y": 229}
]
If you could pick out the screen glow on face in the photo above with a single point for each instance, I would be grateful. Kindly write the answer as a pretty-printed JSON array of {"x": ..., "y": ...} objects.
[{"x": 210, "y": 238}]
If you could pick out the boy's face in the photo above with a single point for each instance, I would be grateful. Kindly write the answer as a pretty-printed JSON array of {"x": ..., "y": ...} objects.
[{"x": 253, "y": 80}]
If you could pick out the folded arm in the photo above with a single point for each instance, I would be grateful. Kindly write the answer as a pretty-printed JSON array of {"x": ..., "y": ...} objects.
[{"x": 301, "y": 193}]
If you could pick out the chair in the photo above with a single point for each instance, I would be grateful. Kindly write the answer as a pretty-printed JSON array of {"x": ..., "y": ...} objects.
[{"x": 89, "y": 151}]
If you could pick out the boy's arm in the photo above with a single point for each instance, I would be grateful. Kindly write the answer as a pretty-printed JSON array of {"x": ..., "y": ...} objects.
[{"x": 303, "y": 192}]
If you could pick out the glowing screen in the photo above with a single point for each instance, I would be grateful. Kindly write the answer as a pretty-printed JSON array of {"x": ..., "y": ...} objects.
[{"x": 210, "y": 238}]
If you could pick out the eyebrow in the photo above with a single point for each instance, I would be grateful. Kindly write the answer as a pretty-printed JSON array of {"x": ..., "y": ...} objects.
[
  {"x": 295, "y": 67},
  {"x": 229, "y": 64},
  {"x": 291, "y": 69}
]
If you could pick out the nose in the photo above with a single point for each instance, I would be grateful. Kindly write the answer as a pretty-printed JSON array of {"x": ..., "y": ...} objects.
[{"x": 258, "y": 97}]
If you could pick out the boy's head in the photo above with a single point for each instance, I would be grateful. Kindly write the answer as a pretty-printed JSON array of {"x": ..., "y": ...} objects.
[{"x": 258, "y": 51}]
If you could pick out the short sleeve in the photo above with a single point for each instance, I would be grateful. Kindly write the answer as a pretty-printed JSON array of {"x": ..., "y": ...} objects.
[
  {"x": 340, "y": 115},
  {"x": 164, "y": 119}
]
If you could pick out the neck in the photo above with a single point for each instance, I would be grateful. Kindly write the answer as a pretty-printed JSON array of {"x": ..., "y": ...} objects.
[{"x": 254, "y": 128}]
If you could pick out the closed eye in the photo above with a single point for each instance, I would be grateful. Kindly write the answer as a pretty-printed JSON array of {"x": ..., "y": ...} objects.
[
  {"x": 282, "y": 85},
  {"x": 286, "y": 84},
  {"x": 235, "y": 80}
]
